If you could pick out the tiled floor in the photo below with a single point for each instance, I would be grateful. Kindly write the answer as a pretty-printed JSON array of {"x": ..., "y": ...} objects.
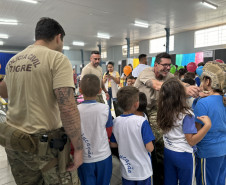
[{"x": 6, "y": 177}]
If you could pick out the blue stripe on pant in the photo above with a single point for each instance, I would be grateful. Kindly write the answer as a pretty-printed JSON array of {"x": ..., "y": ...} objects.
[
  {"x": 97, "y": 173},
  {"x": 178, "y": 166},
  {"x": 147, "y": 181},
  {"x": 211, "y": 171}
]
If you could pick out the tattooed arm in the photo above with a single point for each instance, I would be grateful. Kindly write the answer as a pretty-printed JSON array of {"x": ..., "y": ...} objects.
[{"x": 71, "y": 121}]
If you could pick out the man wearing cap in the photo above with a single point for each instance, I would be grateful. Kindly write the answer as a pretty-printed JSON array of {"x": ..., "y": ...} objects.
[
  {"x": 211, "y": 150},
  {"x": 94, "y": 68},
  {"x": 149, "y": 82}
]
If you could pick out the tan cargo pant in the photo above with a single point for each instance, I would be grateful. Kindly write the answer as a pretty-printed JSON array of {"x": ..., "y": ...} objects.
[
  {"x": 27, "y": 168},
  {"x": 158, "y": 154}
]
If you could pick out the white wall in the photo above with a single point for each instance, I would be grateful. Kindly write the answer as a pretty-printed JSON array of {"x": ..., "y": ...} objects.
[{"x": 183, "y": 43}]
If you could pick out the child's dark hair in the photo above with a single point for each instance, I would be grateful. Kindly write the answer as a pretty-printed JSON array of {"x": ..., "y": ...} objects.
[
  {"x": 142, "y": 102},
  {"x": 189, "y": 75},
  {"x": 131, "y": 77},
  {"x": 127, "y": 96},
  {"x": 182, "y": 72},
  {"x": 90, "y": 85},
  {"x": 171, "y": 103},
  {"x": 189, "y": 81}
]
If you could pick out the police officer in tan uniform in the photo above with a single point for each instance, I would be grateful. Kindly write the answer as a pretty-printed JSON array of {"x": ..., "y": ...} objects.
[
  {"x": 94, "y": 68},
  {"x": 149, "y": 82},
  {"x": 39, "y": 85}
]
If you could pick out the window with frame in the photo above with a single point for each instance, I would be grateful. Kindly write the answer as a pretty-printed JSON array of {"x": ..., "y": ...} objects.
[
  {"x": 210, "y": 37},
  {"x": 159, "y": 45},
  {"x": 104, "y": 54},
  {"x": 133, "y": 50}
]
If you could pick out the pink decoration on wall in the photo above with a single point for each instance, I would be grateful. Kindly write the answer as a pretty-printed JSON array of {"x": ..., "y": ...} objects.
[{"x": 198, "y": 57}]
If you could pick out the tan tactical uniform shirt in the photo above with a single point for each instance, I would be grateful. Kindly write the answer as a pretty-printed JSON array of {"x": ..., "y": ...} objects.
[
  {"x": 31, "y": 77},
  {"x": 152, "y": 95},
  {"x": 89, "y": 69}
]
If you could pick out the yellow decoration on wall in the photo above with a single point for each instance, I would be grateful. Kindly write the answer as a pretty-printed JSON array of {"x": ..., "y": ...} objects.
[{"x": 135, "y": 62}]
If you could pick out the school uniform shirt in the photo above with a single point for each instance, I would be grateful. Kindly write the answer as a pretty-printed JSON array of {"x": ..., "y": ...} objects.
[
  {"x": 132, "y": 133},
  {"x": 214, "y": 142},
  {"x": 95, "y": 118},
  {"x": 175, "y": 139}
]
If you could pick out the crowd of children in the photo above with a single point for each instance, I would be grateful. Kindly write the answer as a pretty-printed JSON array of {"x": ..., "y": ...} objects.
[{"x": 183, "y": 131}]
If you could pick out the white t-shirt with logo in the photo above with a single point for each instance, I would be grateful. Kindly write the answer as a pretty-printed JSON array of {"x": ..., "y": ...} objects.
[
  {"x": 132, "y": 133},
  {"x": 175, "y": 139},
  {"x": 95, "y": 118}
]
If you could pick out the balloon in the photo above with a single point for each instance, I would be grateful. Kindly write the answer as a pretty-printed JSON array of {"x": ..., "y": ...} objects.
[
  {"x": 180, "y": 67},
  {"x": 219, "y": 60},
  {"x": 127, "y": 70},
  {"x": 199, "y": 71},
  {"x": 173, "y": 69},
  {"x": 191, "y": 67}
]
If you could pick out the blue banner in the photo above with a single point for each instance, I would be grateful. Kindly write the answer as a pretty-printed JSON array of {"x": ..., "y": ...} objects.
[{"x": 4, "y": 58}]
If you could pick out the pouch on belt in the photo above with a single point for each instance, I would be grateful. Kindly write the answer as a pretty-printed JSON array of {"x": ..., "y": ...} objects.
[{"x": 14, "y": 139}]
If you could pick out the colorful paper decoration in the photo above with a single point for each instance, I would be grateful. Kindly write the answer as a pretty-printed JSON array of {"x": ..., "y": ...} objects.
[
  {"x": 135, "y": 62},
  {"x": 179, "y": 58},
  {"x": 198, "y": 57},
  {"x": 153, "y": 61}
]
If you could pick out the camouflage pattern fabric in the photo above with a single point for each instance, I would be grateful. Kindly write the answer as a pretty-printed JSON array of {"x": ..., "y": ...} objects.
[
  {"x": 158, "y": 154},
  {"x": 100, "y": 98},
  {"x": 27, "y": 168}
]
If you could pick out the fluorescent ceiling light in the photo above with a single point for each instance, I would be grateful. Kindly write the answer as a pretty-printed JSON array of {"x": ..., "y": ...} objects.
[
  {"x": 1, "y": 43},
  {"x": 30, "y": 1},
  {"x": 8, "y": 21},
  {"x": 76, "y": 43},
  {"x": 4, "y": 36},
  {"x": 142, "y": 24},
  {"x": 103, "y": 35},
  {"x": 66, "y": 48},
  {"x": 210, "y": 5}
]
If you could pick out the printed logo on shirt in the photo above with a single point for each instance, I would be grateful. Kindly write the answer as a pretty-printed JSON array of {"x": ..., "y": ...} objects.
[
  {"x": 168, "y": 141},
  {"x": 127, "y": 163},
  {"x": 87, "y": 147},
  {"x": 25, "y": 67}
]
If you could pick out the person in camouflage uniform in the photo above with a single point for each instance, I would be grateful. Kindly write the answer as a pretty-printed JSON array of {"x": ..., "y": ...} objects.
[
  {"x": 149, "y": 82},
  {"x": 39, "y": 85}
]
